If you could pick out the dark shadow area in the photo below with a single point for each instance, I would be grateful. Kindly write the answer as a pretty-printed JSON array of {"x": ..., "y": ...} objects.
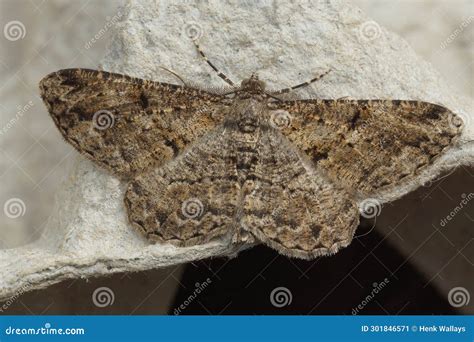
[
  {"x": 326, "y": 286},
  {"x": 415, "y": 252}
]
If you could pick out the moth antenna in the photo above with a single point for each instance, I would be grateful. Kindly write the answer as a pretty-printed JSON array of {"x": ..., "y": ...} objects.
[
  {"x": 273, "y": 97},
  {"x": 219, "y": 73},
  {"x": 301, "y": 85}
]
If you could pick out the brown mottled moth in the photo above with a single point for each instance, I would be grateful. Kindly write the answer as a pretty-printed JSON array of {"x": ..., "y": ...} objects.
[{"x": 244, "y": 163}]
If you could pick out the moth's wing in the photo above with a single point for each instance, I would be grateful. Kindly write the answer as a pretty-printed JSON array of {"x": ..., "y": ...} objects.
[
  {"x": 290, "y": 206},
  {"x": 371, "y": 144},
  {"x": 124, "y": 124},
  {"x": 191, "y": 199}
]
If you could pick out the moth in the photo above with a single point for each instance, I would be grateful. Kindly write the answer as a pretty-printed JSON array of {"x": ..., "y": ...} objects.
[{"x": 243, "y": 163}]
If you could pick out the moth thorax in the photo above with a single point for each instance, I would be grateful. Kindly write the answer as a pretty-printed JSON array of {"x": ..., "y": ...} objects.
[{"x": 248, "y": 119}]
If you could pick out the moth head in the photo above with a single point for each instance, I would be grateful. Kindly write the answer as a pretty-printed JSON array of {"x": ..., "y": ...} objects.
[{"x": 253, "y": 85}]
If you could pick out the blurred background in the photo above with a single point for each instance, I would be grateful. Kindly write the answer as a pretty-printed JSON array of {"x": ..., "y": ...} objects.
[{"x": 41, "y": 36}]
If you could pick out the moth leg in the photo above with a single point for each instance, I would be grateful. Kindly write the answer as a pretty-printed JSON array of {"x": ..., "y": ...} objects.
[
  {"x": 301, "y": 85},
  {"x": 174, "y": 74},
  {"x": 219, "y": 73}
]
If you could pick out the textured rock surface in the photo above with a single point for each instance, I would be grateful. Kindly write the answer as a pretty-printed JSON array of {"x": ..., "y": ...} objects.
[{"x": 286, "y": 43}]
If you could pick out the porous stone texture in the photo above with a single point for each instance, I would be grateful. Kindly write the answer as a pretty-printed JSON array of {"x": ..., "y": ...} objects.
[{"x": 286, "y": 43}]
